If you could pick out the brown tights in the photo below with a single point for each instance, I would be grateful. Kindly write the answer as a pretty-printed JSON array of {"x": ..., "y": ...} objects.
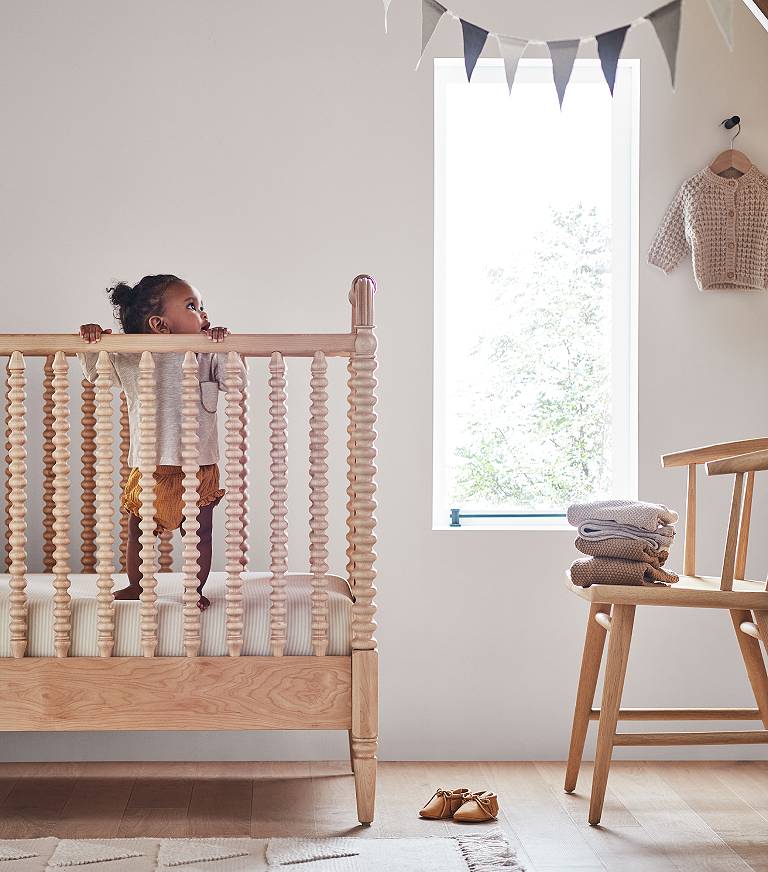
[{"x": 205, "y": 519}]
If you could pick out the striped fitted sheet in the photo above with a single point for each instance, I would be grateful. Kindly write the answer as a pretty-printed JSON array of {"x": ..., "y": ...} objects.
[{"x": 170, "y": 588}]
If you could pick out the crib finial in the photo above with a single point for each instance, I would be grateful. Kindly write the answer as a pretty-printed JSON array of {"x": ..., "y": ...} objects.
[{"x": 361, "y": 296}]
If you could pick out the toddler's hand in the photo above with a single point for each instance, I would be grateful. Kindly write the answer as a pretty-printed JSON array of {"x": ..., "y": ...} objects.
[
  {"x": 217, "y": 334},
  {"x": 92, "y": 332}
]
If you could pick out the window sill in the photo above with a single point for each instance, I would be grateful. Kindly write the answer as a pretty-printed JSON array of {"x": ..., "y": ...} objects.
[{"x": 523, "y": 527}]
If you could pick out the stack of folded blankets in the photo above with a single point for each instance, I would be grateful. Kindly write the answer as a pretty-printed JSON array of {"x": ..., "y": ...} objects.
[{"x": 627, "y": 542}]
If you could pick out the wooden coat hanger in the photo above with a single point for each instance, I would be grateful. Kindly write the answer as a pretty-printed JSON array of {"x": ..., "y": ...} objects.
[{"x": 731, "y": 161}]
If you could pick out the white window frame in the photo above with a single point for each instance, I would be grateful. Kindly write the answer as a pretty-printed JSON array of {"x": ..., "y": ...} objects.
[{"x": 624, "y": 233}]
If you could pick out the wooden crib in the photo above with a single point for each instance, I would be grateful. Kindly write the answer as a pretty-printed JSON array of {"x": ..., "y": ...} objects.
[{"x": 320, "y": 691}]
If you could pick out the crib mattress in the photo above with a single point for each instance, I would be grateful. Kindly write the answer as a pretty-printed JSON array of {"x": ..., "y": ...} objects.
[{"x": 170, "y": 589}]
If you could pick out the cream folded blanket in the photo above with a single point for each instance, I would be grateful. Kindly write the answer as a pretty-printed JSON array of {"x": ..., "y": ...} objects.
[
  {"x": 645, "y": 516},
  {"x": 660, "y": 539},
  {"x": 612, "y": 570}
]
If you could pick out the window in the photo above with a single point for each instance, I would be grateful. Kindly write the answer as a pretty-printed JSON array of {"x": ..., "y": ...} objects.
[{"x": 535, "y": 274}]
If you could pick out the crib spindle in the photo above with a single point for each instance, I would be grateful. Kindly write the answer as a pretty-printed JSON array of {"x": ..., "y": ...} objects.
[
  {"x": 17, "y": 382},
  {"x": 147, "y": 462},
  {"x": 105, "y": 527},
  {"x": 165, "y": 550},
  {"x": 350, "y": 491},
  {"x": 318, "y": 512},
  {"x": 125, "y": 442},
  {"x": 8, "y": 472},
  {"x": 362, "y": 470},
  {"x": 88, "y": 477},
  {"x": 234, "y": 503},
  {"x": 244, "y": 424},
  {"x": 278, "y": 552},
  {"x": 190, "y": 463},
  {"x": 48, "y": 448},
  {"x": 62, "y": 603}
]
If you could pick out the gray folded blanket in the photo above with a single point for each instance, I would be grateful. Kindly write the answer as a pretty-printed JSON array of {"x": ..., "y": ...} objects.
[
  {"x": 630, "y": 513},
  {"x": 660, "y": 539}
]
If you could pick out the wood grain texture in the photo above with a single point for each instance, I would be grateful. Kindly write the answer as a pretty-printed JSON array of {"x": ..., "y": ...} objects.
[
  {"x": 278, "y": 551},
  {"x": 176, "y": 693},
  {"x": 234, "y": 504},
  {"x": 701, "y": 592},
  {"x": 731, "y": 540},
  {"x": 689, "y": 559},
  {"x": 48, "y": 447},
  {"x": 709, "y": 453},
  {"x": 147, "y": 465},
  {"x": 62, "y": 605},
  {"x": 721, "y": 737},
  {"x": 190, "y": 464},
  {"x": 17, "y": 381},
  {"x": 318, "y": 502},
  {"x": 754, "y": 461},
  {"x": 88, "y": 477},
  {"x": 105, "y": 525}
]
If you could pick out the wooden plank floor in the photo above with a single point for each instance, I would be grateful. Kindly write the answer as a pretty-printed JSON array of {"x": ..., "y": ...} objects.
[{"x": 659, "y": 817}]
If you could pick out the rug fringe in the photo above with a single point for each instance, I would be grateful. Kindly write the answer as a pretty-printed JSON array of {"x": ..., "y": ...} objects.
[{"x": 489, "y": 852}]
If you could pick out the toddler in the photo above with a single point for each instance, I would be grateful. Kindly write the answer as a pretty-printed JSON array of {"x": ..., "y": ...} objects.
[{"x": 165, "y": 304}]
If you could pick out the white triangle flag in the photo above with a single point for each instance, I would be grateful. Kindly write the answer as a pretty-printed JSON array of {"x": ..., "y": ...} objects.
[
  {"x": 431, "y": 13},
  {"x": 723, "y": 12},
  {"x": 511, "y": 49},
  {"x": 181, "y": 852},
  {"x": 71, "y": 852},
  {"x": 386, "y": 13}
]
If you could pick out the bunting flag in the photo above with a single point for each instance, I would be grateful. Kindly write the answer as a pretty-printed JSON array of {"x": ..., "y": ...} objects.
[
  {"x": 431, "y": 13},
  {"x": 474, "y": 42},
  {"x": 609, "y": 47},
  {"x": 666, "y": 23},
  {"x": 563, "y": 53},
  {"x": 386, "y": 14},
  {"x": 723, "y": 12},
  {"x": 511, "y": 49}
]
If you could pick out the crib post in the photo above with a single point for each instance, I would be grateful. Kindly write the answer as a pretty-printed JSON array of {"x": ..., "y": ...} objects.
[
  {"x": 8, "y": 472},
  {"x": 190, "y": 464},
  {"x": 278, "y": 538},
  {"x": 318, "y": 498},
  {"x": 147, "y": 463},
  {"x": 17, "y": 425},
  {"x": 88, "y": 477},
  {"x": 48, "y": 447},
  {"x": 244, "y": 424},
  {"x": 62, "y": 603},
  {"x": 361, "y": 523},
  {"x": 105, "y": 618},
  {"x": 234, "y": 504}
]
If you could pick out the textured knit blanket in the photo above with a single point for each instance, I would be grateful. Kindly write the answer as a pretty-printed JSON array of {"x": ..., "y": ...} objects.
[
  {"x": 625, "y": 549},
  {"x": 644, "y": 516},
  {"x": 659, "y": 540},
  {"x": 612, "y": 570}
]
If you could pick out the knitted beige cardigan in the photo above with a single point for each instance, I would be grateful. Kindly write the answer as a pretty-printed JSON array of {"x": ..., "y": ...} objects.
[{"x": 723, "y": 224}]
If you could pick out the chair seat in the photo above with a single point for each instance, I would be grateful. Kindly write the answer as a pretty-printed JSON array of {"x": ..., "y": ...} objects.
[{"x": 700, "y": 591}]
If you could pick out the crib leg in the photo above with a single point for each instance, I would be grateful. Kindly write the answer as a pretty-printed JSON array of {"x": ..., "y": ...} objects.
[{"x": 365, "y": 728}]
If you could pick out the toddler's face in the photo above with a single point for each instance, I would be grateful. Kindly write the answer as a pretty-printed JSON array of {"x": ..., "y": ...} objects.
[{"x": 183, "y": 310}]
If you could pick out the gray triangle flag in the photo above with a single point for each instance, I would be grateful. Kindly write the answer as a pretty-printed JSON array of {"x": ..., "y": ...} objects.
[
  {"x": 431, "y": 13},
  {"x": 474, "y": 42},
  {"x": 511, "y": 49},
  {"x": 609, "y": 45},
  {"x": 723, "y": 12},
  {"x": 666, "y": 23},
  {"x": 386, "y": 13},
  {"x": 563, "y": 53}
]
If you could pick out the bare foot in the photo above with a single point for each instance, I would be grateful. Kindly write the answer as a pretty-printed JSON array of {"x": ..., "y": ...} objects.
[
  {"x": 203, "y": 603},
  {"x": 128, "y": 593}
]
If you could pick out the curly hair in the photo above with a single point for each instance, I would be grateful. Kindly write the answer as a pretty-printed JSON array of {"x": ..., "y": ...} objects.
[{"x": 134, "y": 306}]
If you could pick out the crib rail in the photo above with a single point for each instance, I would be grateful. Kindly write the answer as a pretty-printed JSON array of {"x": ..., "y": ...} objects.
[{"x": 102, "y": 461}]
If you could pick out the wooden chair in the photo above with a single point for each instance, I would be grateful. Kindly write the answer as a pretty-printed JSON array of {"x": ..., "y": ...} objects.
[{"x": 612, "y": 610}]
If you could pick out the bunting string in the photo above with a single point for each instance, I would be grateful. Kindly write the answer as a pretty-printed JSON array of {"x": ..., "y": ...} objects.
[{"x": 665, "y": 20}]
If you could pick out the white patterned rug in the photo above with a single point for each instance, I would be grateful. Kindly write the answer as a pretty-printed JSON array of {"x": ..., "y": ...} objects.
[{"x": 487, "y": 852}]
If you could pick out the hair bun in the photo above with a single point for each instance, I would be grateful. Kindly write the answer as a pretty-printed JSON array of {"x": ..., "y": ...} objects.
[{"x": 120, "y": 294}]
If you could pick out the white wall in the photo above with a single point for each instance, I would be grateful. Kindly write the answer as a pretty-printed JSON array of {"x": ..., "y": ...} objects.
[{"x": 269, "y": 152}]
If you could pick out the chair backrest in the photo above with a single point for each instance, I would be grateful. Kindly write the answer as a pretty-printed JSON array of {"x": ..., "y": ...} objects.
[{"x": 742, "y": 458}]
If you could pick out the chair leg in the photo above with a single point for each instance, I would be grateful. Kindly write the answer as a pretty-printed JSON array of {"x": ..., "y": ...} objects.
[
  {"x": 753, "y": 660},
  {"x": 622, "y": 619},
  {"x": 594, "y": 644}
]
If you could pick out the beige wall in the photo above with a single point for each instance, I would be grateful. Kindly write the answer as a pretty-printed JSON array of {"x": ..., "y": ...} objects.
[{"x": 270, "y": 151}]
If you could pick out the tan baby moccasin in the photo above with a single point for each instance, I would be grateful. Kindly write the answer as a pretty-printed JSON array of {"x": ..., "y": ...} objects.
[
  {"x": 444, "y": 803},
  {"x": 482, "y": 806}
]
